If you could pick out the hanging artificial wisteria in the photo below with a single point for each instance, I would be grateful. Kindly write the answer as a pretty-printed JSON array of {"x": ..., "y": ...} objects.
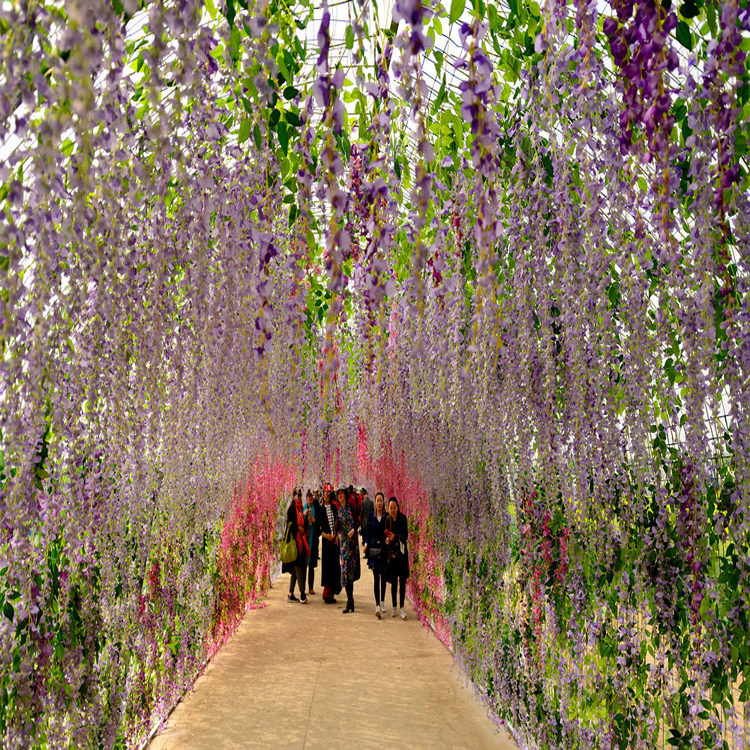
[{"x": 235, "y": 259}]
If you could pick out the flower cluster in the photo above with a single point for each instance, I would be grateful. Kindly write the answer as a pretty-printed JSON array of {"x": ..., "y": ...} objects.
[{"x": 640, "y": 48}]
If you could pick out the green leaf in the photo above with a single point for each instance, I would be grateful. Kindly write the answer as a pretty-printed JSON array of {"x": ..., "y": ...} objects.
[
  {"x": 8, "y": 611},
  {"x": 292, "y": 118},
  {"x": 711, "y": 17},
  {"x": 290, "y": 92},
  {"x": 704, "y": 607},
  {"x": 244, "y": 131},
  {"x": 233, "y": 45},
  {"x": 457, "y": 8},
  {"x": 495, "y": 21},
  {"x": 282, "y": 133},
  {"x": 438, "y": 55},
  {"x": 283, "y": 69},
  {"x": 230, "y": 12},
  {"x": 679, "y": 110},
  {"x": 440, "y": 97},
  {"x": 256, "y": 135},
  {"x": 670, "y": 370},
  {"x": 349, "y": 37},
  {"x": 689, "y": 9},
  {"x": 684, "y": 37}
]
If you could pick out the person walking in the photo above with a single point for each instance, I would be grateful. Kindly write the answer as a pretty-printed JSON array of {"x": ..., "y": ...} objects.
[
  {"x": 353, "y": 499},
  {"x": 330, "y": 565},
  {"x": 295, "y": 517},
  {"x": 397, "y": 567},
  {"x": 375, "y": 551},
  {"x": 365, "y": 511},
  {"x": 349, "y": 545},
  {"x": 312, "y": 513}
]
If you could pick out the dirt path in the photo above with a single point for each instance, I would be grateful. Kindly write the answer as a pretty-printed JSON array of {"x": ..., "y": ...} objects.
[{"x": 311, "y": 677}]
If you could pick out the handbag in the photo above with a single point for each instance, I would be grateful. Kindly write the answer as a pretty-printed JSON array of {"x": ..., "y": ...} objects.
[
  {"x": 375, "y": 553},
  {"x": 392, "y": 567},
  {"x": 288, "y": 547}
]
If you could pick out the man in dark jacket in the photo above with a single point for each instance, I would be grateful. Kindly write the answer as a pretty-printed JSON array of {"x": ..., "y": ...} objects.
[{"x": 365, "y": 510}]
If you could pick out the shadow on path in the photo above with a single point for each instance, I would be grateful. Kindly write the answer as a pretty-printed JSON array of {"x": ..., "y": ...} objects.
[{"x": 308, "y": 676}]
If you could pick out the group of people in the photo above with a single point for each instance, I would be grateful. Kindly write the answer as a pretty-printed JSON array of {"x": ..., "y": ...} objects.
[{"x": 339, "y": 519}]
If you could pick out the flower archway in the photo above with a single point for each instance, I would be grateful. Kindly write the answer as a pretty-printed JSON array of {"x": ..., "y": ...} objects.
[{"x": 494, "y": 255}]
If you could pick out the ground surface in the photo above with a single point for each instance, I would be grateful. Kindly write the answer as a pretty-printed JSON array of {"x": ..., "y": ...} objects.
[{"x": 311, "y": 677}]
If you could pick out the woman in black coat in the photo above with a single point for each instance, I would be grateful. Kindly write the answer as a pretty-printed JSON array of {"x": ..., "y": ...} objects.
[
  {"x": 375, "y": 550},
  {"x": 397, "y": 567},
  {"x": 330, "y": 565},
  {"x": 313, "y": 511},
  {"x": 298, "y": 528}
]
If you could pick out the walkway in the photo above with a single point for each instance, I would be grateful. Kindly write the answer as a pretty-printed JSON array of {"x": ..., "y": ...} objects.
[{"x": 310, "y": 677}]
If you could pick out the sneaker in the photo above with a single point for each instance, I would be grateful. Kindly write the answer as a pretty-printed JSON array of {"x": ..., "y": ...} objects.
[
  {"x": 377, "y": 611},
  {"x": 393, "y": 614},
  {"x": 303, "y": 600},
  {"x": 382, "y": 608},
  {"x": 403, "y": 613},
  {"x": 292, "y": 598}
]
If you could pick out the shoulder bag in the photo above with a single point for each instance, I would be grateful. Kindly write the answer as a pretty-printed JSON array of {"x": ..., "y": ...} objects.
[{"x": 288, "y": 546}]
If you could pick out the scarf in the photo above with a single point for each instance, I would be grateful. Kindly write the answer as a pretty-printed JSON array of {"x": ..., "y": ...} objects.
[
  {"x": 302, "y": 545},
  {"x": 311, "y": 533}
]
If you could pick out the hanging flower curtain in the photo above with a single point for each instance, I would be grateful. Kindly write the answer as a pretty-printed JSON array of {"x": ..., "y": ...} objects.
[{"x": 511, "y": 284}]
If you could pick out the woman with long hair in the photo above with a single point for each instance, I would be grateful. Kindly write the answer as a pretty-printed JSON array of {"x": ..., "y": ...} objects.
[
  {"x": 312, "y": 513},
  {"x": 330, "y": 566},
  {"x": 397, "y": 567},
  {"x": 298, "y": 528},
  {"x": 349, "y": 544},
  {"x": 375, "y": 550}
]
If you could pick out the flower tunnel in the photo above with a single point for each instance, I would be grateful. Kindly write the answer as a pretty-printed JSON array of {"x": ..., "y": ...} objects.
[{"x": 492, "y": 258}]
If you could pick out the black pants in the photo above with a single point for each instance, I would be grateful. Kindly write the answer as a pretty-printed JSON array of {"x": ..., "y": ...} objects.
[
  {"x": 350, "y": 595},
  {"x": 310, "y": 578},
  {"x": 401, "y": 591},
  {"x": 298, "y": 577},
  {"x": 379, "y": 585}
]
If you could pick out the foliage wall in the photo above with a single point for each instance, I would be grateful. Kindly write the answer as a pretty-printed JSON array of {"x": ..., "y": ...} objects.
[
  {"x": 234, "y": 249},
  {"x": 573, "y": 642},
  {"x": 119, "y": 622}
]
